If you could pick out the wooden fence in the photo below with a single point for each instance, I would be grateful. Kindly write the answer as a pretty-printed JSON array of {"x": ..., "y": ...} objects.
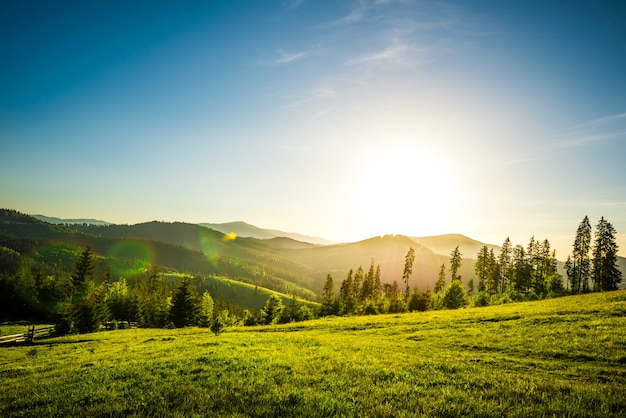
[{"x": 31, "y": 335}]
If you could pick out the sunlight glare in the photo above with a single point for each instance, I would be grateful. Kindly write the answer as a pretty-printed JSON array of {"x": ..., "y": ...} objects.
[{"x": 404, "y": 190}]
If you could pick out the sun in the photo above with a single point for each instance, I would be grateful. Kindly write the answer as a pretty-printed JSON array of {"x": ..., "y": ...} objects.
[{"x": 404, "y": 190}]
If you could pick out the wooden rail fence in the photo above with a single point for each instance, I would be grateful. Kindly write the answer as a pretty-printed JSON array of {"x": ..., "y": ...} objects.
[{"x": 30, "y": 336}]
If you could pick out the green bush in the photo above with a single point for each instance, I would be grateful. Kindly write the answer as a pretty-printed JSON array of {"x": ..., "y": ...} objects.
[{"x": 454, "y": 295}]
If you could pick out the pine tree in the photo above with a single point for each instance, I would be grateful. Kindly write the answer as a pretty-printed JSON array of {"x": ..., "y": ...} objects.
[
  {"x": 455, "y": 264},
  {"x": 581, "y": 265},
  {"x": 357, "y": 283},
  {"x": 185, "y": 309},
  {"x": 378, "y": 287},
  {"x": 454, "y": 296},
  {"x": 441, "y": 279},
  {"x": 569, "y": 270},
  {"x": 348, "y": 295},
  {"x": 482, "y": 267},
  {"x": 606, "y": 274},
  {"x": 328, "y": 298},
  {"x": 84, "y": 274},
  {"x": 520, "y": 271},
  {"x": 153, "y": 296},
  {"x": 272, "y": 309},
  {"x": 504, "y": 263},
  {"x": 419, "y": 301},
  {"x": 409, "y": 259},
  {"x": 206, "y": 310},
  {"x": 367, "y": 289},
  {"x": 470, "y": 287}
]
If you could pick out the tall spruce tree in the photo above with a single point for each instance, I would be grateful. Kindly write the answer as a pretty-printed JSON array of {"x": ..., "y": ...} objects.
[
  {"x": 328, "y": 297},
  {"x": 504, "y": 264},
  {"x": 441, "y": 280},
  {"x": 520, "y": 271},
  {"x": 482, "y": 267},
  {"x": 606, "y": 274},
  {"x": 185, "y": 309},
  {"x": 84, "y": 275},
  {"x": 581, "y": 265},
  {"x": 409, "y": 259},
  {"x": 455, "y": 264}
]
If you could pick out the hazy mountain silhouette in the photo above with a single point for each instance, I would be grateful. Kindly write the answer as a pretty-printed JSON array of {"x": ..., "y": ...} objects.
[
  {"x": 53, "y": 220},
  {"x": 244, "y": 229}
]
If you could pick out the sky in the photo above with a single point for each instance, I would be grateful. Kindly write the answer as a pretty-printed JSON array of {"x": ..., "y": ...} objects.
[{"x": 339, "y": 119}]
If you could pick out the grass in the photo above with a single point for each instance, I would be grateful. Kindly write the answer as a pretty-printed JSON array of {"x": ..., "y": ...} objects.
[
  {"x": 559, "y": 357},
  {"x": 241, "y": 293}
]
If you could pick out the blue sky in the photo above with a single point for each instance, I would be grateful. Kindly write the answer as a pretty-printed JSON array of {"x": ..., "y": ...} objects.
[{"x": 338, "y": 119}]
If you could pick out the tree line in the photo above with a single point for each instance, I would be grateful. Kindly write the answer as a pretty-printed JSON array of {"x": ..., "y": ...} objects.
[{"x": 516, "y": 273}]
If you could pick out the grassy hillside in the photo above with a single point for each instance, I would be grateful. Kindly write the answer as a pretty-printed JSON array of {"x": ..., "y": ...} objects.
[
  {"x": 240, "y": 293},
  {"x": 558, "y": 357}
]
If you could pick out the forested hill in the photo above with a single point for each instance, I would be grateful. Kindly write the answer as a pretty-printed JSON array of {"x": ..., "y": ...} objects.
[{"x": 26, "y": 242}]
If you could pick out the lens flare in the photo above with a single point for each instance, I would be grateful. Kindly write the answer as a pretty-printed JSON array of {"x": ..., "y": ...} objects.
[
  {"x": 230, "y": 237},
  {"x": 127, "y": 258}
]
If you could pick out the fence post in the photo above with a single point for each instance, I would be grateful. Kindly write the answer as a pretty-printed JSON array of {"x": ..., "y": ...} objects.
[{"x": 31, "y": 334}]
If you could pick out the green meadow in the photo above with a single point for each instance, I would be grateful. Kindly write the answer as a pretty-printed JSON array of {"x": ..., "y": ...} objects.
[{"x": 557, "y": 357}]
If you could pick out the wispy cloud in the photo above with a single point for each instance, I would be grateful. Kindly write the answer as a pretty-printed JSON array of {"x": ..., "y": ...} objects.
[
  {"x": 293, "y": 4},
  {"x": 315, "y": 96},
  {"x": 391, "y": 53},
  {"x": 606, "y": 128},
  {"x": 600, "y": 122},
  {"x": 286, "y": 58},
  {"x": 401, "y": 54}
]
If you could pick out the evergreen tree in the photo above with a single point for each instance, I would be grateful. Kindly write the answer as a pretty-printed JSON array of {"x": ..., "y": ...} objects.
[
  {"x": 419, "y": 301},
  {"x": 482, "y": 267},
  {"x": 545, "y": 268},
  {"x": 206, "y": 310},
  {"x": 357, "y": 284},
  {"x": 377, "y": 290},
  {"x": 454, "y": 296},
  {"x": 117, "y": 299},
  {"x": 328, "y": 298},
  {"x": 153, "y": 296},
  {"x": 441, "y": 279},
  {"x": 581, "y": 265},
  {"x": 348, "y": 296},
  {"x": 272, "y": 309},
  {"x": 569, "y": 270},
  {"x": 367, "y": 289},
  {"x": 504, "y": 263},
  {"x": 455, "y": 264},
  {"x": 84, "y": 274},
  {"x": 606, "y": 274},
  {"x": 396, "y": 299},
  {"x": 185, "y": 309},
  {"x": 520, "y": 271},
  {"x": 409, "y": 259}
]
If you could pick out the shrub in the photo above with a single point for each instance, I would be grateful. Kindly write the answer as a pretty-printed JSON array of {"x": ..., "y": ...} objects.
[
  {"x": 454, "y": 295},
  {"x": 482, "y": 299}
]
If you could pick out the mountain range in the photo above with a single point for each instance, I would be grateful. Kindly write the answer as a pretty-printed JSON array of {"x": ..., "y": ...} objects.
[{"x": 268, "y": 260}]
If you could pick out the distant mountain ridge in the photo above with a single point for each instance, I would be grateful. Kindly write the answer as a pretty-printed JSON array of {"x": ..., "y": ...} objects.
[
  {"x": 444, "y": 244},
  {"x": 244, "y": 229},
  {"x": 59, "y": 221}
]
